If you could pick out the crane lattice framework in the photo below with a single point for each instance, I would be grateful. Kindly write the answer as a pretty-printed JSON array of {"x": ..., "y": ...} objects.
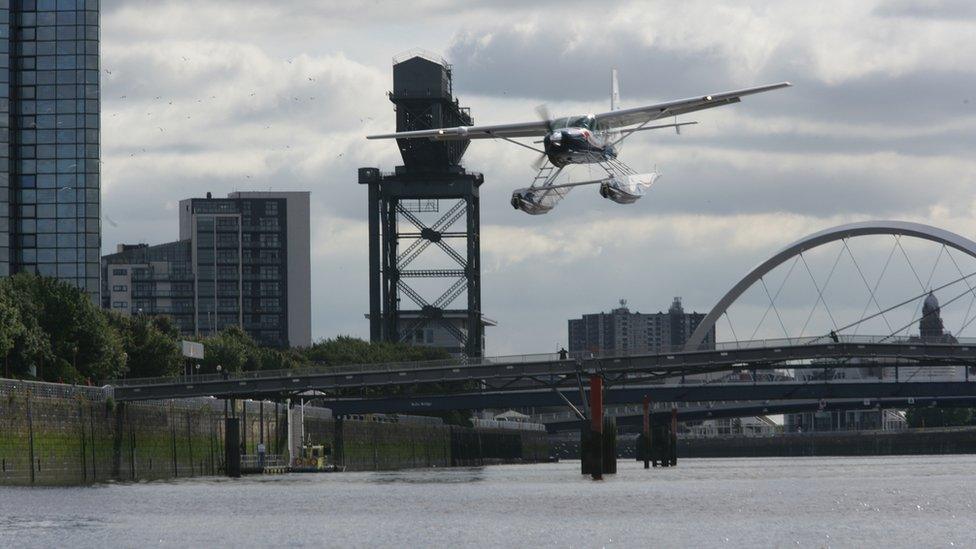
[
  {"x": 796, "y": 250},
  {"x": 427, "y": 203}
]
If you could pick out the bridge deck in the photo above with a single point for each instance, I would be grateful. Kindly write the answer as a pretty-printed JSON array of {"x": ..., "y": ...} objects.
[{"x": 549, "y": 372}]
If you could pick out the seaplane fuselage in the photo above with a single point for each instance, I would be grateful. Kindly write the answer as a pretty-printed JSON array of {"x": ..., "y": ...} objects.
[{"x": 575, "y": 141}]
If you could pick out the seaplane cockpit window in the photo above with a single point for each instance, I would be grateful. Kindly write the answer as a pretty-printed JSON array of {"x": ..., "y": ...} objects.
[{"x": 581, "y": 122}]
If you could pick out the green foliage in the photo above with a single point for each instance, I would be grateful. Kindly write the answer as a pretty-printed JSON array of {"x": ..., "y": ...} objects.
[
  {"x": 63, "y": 334},
  {"x": 54, "y": 330},
  {"x": 939, "y": 417},
  {"x": 150, "y": 344},
  {"x": 350, "y": 350}
]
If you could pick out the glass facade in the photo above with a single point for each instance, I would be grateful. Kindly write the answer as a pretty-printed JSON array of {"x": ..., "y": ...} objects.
[
  {"x": 229, "y": 269},
  {"x": 240, "y": 261},
  {"x": 217, "y": 247},
  {"x": 51, "y": 167}
]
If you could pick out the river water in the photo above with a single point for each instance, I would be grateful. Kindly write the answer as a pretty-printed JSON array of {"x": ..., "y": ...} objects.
[{"x": 914, "y": 501}]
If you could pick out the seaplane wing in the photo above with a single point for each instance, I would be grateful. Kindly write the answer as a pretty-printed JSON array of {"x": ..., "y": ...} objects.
[
  {"x": 642, "y": 115},
  {"x": 499, "y": 131}
]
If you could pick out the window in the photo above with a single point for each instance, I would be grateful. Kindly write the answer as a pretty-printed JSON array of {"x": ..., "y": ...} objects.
[
  {"x": 120, "y": 288},
  {"x": 120, "y": 305},
  {"x": 120, "y": 272},
  {"x": 269, "y": 240}
]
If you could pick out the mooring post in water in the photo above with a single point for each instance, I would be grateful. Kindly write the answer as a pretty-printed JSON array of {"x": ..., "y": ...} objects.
[
  {"x": 674, "y": 435},
  {"x": 646, "y": 441},
  {"x": 232, "y": 448},
  {"x": 596, "y": 424}
]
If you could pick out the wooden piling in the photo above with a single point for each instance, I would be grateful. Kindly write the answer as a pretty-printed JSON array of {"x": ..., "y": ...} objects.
[
  {"x": 646, "y": 440},
  {"x": 596, "y": 424}
]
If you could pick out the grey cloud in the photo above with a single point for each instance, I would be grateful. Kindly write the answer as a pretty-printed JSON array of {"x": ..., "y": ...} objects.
[
  {"x": 927, "y": 9},
  {"x": 538, "y": 66}
]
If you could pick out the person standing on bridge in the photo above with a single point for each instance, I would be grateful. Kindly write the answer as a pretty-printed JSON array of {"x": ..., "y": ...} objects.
[{"x": 563, "y": 355}]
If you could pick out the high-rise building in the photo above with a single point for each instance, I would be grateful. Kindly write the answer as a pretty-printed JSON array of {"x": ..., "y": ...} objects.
[
  {"x": 49, "y": 167},
  {"x": 623, "y": 332},
  {"x": 244, "y": 260}
]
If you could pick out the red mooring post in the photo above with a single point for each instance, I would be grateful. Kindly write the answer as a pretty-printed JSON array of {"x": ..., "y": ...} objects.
[
  {"x": 646, "y": 449},
  {"x": 596, "y": 424}
]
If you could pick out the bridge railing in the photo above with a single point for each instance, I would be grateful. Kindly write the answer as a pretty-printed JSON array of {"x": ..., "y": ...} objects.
[{"x": 326, "y": 369}]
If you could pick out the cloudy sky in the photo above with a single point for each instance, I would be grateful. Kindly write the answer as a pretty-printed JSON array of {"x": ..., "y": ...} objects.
[{"x": 880, "y": 124}]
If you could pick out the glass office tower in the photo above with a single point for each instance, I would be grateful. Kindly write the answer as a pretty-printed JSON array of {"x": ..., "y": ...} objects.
[{"x": 49, "y": 180}]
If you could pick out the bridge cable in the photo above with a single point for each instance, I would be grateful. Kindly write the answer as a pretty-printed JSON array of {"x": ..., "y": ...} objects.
[
  {"x": 732, "y": 329},
  {"x": 928, "y": 282},
  {"x": 972, "y": 301},
  {"x": 820, "y": 298},
  {"x": 970, "y": 321},
  {"x": 772, "y": 302},
  {"x": 903, "y": 303},
  {"x": 915, "y": 273},
  {"x": 960, "y": 296},
  {"x": 867, "y": 286},
  {"x": 910, "y": 264},
  {"x": 966, "y": 325},
  {"x": 878, "y": 283}
]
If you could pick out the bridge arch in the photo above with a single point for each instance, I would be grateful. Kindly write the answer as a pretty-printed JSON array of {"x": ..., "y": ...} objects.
[{"x": 840, "y": 232}]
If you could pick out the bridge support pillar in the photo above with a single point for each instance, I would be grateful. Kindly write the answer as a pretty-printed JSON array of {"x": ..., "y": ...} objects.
[{"x": 232, "y": 447}]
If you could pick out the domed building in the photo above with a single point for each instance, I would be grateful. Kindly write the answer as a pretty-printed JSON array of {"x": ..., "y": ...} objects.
[{"x": 930, "y": 327}]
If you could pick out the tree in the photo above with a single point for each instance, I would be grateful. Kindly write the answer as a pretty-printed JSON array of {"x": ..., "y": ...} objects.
[
  {"x": 151, "y": 347},
  {"x": 938, "y": 417},
  {"x": 232, "y": 349},
  {"x": 350, "y": 350},
  {"x": 66, "y": 337},
  {"x": 11, "y": 327}
]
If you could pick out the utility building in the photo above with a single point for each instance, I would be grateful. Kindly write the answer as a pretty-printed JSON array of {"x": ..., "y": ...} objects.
[
  {"x": 49, "y": 128},
  {"x": 241, "y": 261},
  {"x": 624, "y": 332}
]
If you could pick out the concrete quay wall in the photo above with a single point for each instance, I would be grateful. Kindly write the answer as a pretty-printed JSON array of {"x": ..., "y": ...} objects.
[
  {"x": 955, "y": 440},
  {"x": 855, "y": 443},
  {"x": 54, "y": 434}
]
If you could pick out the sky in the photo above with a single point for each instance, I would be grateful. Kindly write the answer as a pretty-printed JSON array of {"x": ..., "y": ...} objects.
[{"x": 242, "y": 95}]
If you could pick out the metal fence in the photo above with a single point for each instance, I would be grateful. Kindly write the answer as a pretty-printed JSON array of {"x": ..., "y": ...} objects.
[
  {"x": 325, "y": 369},
  {"x": 53, "y": 390},
  {"x": 501, "y": 424}
]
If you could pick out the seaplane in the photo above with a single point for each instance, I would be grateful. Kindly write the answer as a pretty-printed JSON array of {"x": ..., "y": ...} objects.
[{"x": 585, "y": 139}]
